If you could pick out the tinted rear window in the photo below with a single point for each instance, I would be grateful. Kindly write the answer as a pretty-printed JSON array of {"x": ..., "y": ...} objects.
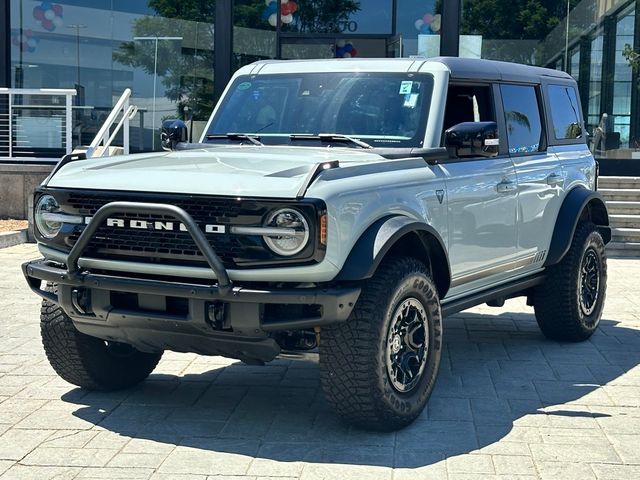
[
  {"x": 564, "y": 112},
  {"x": 522, "y": 117}
]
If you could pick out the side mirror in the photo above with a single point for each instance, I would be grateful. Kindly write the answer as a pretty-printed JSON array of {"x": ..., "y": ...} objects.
[
  {"x": 173, "y": 132},
  {"x": 472, "y": 139}
]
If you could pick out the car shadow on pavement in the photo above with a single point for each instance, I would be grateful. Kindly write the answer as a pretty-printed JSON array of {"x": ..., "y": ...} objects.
[{"x": 500, "y": 382}]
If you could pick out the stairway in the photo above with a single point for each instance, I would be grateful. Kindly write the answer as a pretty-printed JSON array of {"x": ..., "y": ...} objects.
[{"x": 622, "y": 195}]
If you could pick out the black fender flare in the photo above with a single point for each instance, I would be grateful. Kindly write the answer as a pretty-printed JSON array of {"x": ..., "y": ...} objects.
[
  {"x": 577, "y": 203},
  {"x": 378, "y": 239}
]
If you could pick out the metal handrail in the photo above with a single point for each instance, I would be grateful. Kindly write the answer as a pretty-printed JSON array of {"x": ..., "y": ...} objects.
[
  {"x": 104, "y": 137},
  {"x": 129, "y": 114},
  {"x": 38, "y": 91},
  {"x": 11, "y": 93}
]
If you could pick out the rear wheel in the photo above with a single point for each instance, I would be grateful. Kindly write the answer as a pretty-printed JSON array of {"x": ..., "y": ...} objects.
[
  {"x": 379, "y": 367},
  {"x": 568, "y": 306},
  {"x": 90, "y": 362}
]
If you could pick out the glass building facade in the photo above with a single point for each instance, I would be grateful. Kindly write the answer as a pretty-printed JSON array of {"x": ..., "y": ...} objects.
[{"x": 177, "y": 55}]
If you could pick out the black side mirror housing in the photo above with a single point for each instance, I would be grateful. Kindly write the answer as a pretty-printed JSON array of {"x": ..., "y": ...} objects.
[
  {"x": 173, "y": 132},
  {"x": 472, "y": 139}
]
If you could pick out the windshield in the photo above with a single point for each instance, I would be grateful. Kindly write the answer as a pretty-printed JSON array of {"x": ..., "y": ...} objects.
[{"x": 382, "y": 109}]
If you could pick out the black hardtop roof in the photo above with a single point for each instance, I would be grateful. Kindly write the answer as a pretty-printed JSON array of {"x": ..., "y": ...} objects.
[{"x": 477, "y": 69}]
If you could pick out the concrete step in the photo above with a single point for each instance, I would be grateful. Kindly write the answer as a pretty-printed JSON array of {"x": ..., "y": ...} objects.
[
  {"x": 620, "y": 194},
  {"x": 618, "y": 182},
  {"x": 626, "y": 235},
  {"x": 624, "y": 221},
  {"x": 619, "y": 249},
  {"x": 9, "y": 239},
  {"x": 616, "y": 207}
]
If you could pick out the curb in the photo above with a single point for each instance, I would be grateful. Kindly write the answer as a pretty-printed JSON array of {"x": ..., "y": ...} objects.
[{"x": 9, "y": 239}]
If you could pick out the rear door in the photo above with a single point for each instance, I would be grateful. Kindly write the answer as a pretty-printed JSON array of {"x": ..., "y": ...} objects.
[{"x": 539, "y": 175}]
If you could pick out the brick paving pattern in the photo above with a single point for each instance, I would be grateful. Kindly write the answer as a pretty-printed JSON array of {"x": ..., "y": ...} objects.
[{"x": 508, "y": 404}]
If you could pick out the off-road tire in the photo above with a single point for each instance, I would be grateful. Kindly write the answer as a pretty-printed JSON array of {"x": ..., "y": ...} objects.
[
  {"x": 353, "y": 368},
  {"x": 557, "y": 302},
  {"x": 89, "y": 362}
]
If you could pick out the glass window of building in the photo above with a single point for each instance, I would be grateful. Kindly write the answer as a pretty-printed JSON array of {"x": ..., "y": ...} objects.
[
  {"x": 594, "y": 97},
  {"x": 254, "y": 38},
  {"x": 574, "y": 65},
  {"x": 622, "y": 79},
  {"x": 595, "y": 41},
  {"x": 101, "y": 47},
  {"x": 522, "y": 117},
  {"x": 163, "y": 53},
  {"x": 332, "y": 16},
  {"x": 418, "y": 27}
]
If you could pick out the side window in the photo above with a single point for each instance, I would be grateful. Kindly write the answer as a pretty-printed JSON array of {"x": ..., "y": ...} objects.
[
  {"x": 565, "y": 114},
  {"x": 522, "y": 117},
  {"x": 468, "y": 104}
]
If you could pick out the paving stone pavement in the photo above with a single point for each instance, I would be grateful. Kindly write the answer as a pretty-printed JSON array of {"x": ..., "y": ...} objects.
[{"x": 508, "y": 404}]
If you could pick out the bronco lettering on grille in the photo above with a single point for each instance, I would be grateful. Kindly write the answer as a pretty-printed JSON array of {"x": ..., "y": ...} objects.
[{"x": 156, "y": 225}]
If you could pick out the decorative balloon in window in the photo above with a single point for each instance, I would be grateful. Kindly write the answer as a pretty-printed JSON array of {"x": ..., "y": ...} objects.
[
  {"x": 428, "y": 24},
  {"x": 49, "y": 15},
  {"x": 345, "y": 49},
  {"x": 287, "y": 9},
  {"x": 26, "y": 42}
]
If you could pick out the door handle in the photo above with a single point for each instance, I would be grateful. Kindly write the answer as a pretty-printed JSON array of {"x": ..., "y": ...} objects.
[
  {"x": 554, "y": 179},
  {"x": 506, "y": 186}
]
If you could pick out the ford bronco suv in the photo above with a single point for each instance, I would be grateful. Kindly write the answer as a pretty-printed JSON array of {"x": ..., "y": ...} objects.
[{"x": 353, "y": 202}]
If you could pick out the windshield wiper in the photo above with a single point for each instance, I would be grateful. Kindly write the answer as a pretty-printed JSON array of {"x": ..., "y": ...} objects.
[
  {"x": 255, "y": 139},
  {"x": 330, "y": 137}
]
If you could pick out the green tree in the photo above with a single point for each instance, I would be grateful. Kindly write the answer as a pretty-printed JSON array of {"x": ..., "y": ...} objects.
[
  {"x": 511, "y": 20},
  {"x": 324, "y": 16},
  {"x": 185, "y": 68},
  {"x": 633, "y": 58}
]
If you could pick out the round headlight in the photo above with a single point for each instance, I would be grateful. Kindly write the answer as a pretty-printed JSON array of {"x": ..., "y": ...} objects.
[
  {"x": 47, "y": 228},
  {"x": 295, "y": 234}
]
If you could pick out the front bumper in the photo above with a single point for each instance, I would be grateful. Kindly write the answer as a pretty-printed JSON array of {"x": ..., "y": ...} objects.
[
  {"x": 156, "y": 314},
  {"x": 239, "y": 328}
]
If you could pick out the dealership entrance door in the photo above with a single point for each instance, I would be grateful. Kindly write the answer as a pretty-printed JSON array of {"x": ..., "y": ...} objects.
[{"x": 297, "y": 47}]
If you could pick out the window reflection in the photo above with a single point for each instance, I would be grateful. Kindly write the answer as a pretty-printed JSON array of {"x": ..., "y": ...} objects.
[
  {"x": 336, "y": 16},
  {"x": 91, "y": 48},
  {"x": 522, "y": 116},
  {"x": 589, "y": 43}
]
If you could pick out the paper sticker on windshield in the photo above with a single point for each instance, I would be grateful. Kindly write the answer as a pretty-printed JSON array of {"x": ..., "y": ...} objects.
[
  {"x": 244, "y": 86},
  {"x": 411, "y": 100},
  {"x": 405, "y": 87}
]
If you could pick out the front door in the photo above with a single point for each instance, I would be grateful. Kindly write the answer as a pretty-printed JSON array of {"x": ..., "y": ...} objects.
[{"x": 482, "y": 200}]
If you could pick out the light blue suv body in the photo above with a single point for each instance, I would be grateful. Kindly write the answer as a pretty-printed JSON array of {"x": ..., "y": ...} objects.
[{"x": 477, "y": 170}]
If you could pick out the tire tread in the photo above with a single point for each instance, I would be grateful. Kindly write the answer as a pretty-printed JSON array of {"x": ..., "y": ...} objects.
[
  {"x": 84, "y": 360},
  {"x": 555, "y": 301}
]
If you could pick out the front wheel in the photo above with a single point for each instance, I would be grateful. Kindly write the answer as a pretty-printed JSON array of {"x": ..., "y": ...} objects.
[
  {"x": 90, "y": 362},
  {"x": 379, "y": 367},
  {"x": 569, "y": 304}
]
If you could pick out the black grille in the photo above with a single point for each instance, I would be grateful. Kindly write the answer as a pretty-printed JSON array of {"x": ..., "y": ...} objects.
[
  {"x": 174, "y": 247},
  {"x": 200, "y": 208}
]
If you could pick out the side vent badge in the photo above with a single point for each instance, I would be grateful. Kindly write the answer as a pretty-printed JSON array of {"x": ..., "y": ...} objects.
[{"x": 440, "y": 195}]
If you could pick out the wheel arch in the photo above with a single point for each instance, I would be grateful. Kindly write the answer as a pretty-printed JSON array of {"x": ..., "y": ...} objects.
[
  {"x": 402, "y": 236},
  {"x": 579, "y": 205}
]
